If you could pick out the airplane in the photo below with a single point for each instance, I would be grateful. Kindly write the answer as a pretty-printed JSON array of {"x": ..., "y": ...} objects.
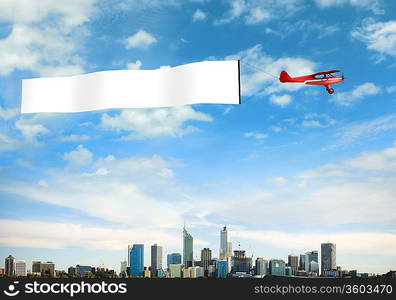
[{"x": 322, "y": 78}]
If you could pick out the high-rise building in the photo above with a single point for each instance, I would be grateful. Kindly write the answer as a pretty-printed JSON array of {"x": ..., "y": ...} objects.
[
  {"x": 314, "y": 267},
  {"x": 241, "y": 263},
  {"x": 222, "y": 269},
  {"x": 292, "y": 262},
  {"x": 206, "y": 258},
  {"x": 187, "y": 249},
  {"x": 20, "y": 268},
  {"x": 229, "y": 249},
  {"x": 304, "y": 262},
  {"x": 313, "y": 256},
  {"x": 175, "y": 270},
  {"x": 173, "y": 258},
  {"x": 223, "y": 244},
  {"x": 83, "y": 270},
  {"x": 277, "y": 267},
  {"x": 261, "y": 266},
  {"x": 9, "y": 265},
  {"x": 47, "y": 269},
  {"x": 328, "y": 257},
  {"x": 137, "y": 260},
  {"x": 36, "y": 265},
  {"x": 71, "y": 271},
  {"x": 156, "y": 259},
  {"x": 123, "y": 268}
]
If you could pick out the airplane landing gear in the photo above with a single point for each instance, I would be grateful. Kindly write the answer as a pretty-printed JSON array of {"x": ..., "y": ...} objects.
[{"x": 330, "y": 90}]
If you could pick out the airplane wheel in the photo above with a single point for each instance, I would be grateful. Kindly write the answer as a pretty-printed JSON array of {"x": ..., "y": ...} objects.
[{"x": 330, "y": 90}]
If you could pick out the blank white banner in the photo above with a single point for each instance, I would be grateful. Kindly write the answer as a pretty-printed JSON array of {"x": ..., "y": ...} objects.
[{"x": 202, "y": 82}]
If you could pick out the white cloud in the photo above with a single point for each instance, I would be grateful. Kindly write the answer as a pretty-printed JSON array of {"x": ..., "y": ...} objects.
[
  {"x": 198, "y": 15},
  {"x": 348, "y": 242},
  {"x": 381, "y": 160},
  {"x": 259, "y": 69},
  {"x": 7, "y": 143},
  {"x": 56, "y": 235},
  {"x": 150, "y": 123},
  {"x": 378, "y": 36},
  {"x": 256, "y": 135},
  {"x": 139, "y": 190},
  {"x": 79, "y": 157},
  {"x": 257, "y": 11},
  {"x": 317, "y": 120},
  {"x": 73, "y": 138},
  {"x": 141, "y": 39},
  {"x": 134, "y": 65},
  {"x": 8, "y": 114},
  {"x": 281, "y": 100},
  {"x": 373, "y": 5},
  {"x": 278, "y": 180},
  {"x": 257, "y": 15},
  {"x": 358, "y": 93},
  {"x": 70, "y": 13},
  {"x": 356, "y": 131},
  {"x": 42, "y": 44},
  {"x": 30, "y": 129}
]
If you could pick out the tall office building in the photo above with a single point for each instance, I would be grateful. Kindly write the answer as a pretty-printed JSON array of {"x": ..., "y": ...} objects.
[
  {"x": 20, "y": 268},
  {"x": 123, "y": 268},
  {"x": 229, "y": 249},
  {"x": 261, "y": 266},
  {"x": 187, "y": 249},
  {"x": 292, "y": 261},
  {"x": 206, "y": 258},
  {"x": 240, "y": 262},
  {"x": 175, "y": 270},
  {"x": 277, "y": 267},
  {"x": 9, "y": 265},
  {"x": 222, "y": 269},
  {"x": 137, "y": 260},
  {"x": 313, "y": 256},
  {"x": 83, "y": 270},
  {"x": 156, "y": 259},
  {"x": 328, "y": 257},
  {"x": 224, "y": 243},
  {"x": 47, "y": 269},
  {"x": 36, "y": 266},
  {"x": 304, "y": 262},
  {"x": 173, "y": 258}
]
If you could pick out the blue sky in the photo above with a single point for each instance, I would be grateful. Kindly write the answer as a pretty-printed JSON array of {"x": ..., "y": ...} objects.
[{"x": 289, "y": 168}]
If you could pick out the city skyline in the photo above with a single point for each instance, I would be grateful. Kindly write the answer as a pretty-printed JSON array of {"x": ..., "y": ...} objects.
[
  {"x": 287, "y": 169},
  {"x": 239, "y": 261}
]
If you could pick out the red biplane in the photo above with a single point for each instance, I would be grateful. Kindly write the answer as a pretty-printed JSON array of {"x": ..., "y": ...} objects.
[{"x": 322, "y": 78}]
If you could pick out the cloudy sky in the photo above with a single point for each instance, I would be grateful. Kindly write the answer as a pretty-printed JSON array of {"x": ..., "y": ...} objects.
[{"x": 289, "y": 168}]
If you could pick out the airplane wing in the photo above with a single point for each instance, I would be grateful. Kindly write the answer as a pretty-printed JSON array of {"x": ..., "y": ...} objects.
[{"x": 326, "y": 72}]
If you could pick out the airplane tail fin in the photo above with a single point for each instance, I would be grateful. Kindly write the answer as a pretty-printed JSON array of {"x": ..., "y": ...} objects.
[{"x": 284, "y": 77}]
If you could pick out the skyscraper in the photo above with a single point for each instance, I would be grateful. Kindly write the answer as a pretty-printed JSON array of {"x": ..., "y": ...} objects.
[
  {"x": 328, "y": 257},
  {"x": 173, "y": 258},
  {"x": 304, "y": 262},
  {"x": 261, "y": 266},
  {"x": 137, "y": 260},
  {"x": 156, "y": 259},
  {"x": 187, "y": 249},
  {"x": 20, "y": 268},
  {"x": 313, "y": 256},
  {"x": 222, "y": 269},
  {"x": 224, "y": 243},
  {"x": 277, "y": 267},
  {"x": 206, "y": 258},
  {"x": 240, "y": 262},
  {"x": 292, "y": 261},
  {"x": 9, "y": 265}
]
